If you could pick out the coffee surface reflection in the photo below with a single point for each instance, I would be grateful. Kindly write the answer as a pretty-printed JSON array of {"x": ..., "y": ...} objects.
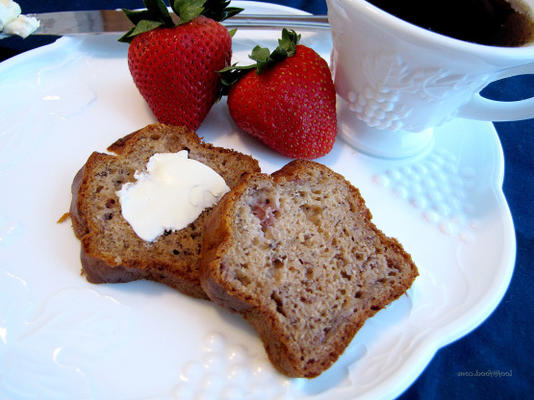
[{"x": 488, "y": 22}]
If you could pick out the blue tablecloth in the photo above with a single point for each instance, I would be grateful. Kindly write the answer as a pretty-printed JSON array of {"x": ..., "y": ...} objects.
[{"x": 504, "y": 342}]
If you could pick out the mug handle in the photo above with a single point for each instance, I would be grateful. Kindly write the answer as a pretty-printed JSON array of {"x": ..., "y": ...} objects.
[{"x": 485, "y": 109}]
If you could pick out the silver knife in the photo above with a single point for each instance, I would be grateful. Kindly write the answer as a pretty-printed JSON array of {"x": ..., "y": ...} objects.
[{"x": 99, "y": 21}]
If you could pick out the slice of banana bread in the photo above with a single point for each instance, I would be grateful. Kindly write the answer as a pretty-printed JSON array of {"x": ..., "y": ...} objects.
[
  {"x": 297, "y": 255},
  {"x": 110, "y": 249}
]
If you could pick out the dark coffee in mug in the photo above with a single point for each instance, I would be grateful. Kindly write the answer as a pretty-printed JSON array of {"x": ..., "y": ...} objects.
[{"x": 489, "y": 22}]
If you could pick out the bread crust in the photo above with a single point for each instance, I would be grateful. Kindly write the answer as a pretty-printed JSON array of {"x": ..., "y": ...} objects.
[
  {"x": 131, "y": 258},
  {"x": 284, "y": 352}
]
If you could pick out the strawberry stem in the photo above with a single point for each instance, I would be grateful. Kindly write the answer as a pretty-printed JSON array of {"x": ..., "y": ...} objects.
[
  {"x": 157, "y": 14},
  {"x": 287, "y": 47}
]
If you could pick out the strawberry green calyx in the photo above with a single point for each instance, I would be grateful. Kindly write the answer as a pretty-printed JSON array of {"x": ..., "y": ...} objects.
[
  {"x": 218, "y": 10},
  {"x": 157, "y": 15},
  {"x": 264, "y": 58}
]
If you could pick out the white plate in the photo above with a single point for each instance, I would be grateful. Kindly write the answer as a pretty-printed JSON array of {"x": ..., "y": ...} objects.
[{"x": 61, "y": 337}]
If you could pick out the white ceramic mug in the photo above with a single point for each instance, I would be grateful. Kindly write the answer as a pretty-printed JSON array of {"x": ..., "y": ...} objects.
[{"x": 394, "y": 77}]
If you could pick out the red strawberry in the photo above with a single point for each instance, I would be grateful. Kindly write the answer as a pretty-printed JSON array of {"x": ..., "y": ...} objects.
[
  {"x": 175, "y": 66},
  {"x": 287, "y": 99}
]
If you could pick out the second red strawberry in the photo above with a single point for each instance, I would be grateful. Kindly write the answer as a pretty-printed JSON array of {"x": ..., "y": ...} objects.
[{"x": 287, "y": 99}]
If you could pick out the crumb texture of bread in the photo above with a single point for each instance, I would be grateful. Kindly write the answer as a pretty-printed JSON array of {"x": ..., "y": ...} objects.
[
  {"x": 110, "y": 249},
  {"x": 297, "y": 255}
]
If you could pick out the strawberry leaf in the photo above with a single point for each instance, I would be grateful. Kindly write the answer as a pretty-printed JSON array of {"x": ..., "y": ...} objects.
[
  {"x": 136, "y": 16},
  {"x": 187, "y": 10},
  {"x": 287, "y": 46},
  {"x": 141, "y": 27},
  {"x": 155, "y": 15},
  {"x": 231, "y": 75},
  {"x": 232, "y": 32},
  {"x": 145, "y": 26},
  {"x": 159, "y": 8},
  {"x": 260, "y": 55},
  {"x": 218, "y": 10}
]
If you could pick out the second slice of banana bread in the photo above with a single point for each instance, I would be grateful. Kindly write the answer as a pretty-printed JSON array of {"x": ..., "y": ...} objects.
[{"x": 297, "y": 255}]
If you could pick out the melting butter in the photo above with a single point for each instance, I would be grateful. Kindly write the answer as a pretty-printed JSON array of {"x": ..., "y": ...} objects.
[{"x": 170, "y": 194}]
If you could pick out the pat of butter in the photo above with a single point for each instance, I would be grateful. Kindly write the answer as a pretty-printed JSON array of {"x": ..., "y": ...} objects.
[
  {"x": 9, "y": 11},
  {"x": 170, "y": 195},
  {"x": 22, "y": 26},
  {"x": 12, "y": 22}
]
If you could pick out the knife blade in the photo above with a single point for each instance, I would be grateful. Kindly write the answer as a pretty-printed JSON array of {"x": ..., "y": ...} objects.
[{"x": 100, "y": 21}]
